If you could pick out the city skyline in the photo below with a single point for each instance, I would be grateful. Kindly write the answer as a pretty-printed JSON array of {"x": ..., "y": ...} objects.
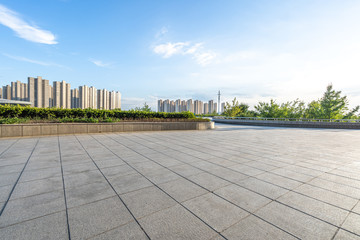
[
  {"x": 40, "y": 93},
  {"x": 252, "y": 50},
  {"x": 195, "y": 106}
]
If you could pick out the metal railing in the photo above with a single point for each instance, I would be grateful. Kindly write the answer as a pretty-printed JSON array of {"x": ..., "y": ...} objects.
[{"x": 290, "y": 119}]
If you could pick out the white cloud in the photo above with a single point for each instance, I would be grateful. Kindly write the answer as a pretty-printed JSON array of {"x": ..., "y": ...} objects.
[
  {"x": 24, "y": 59},
  {"x": 201, "y": 56},
  {"x": 23, "y": 29},
  {"x": 99, "y": 63},
  {"x": 204, "y": 58},
  {"x": 169, "y": 49}
]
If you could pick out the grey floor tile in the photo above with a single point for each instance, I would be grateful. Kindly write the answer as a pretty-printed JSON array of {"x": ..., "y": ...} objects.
[
  {"x": 161, "y": 176},
  {"x": 294, "y": 222},
  {"x": 357, "y": 208},
  {"x": 48, "y": 227},
  {"x": 279, "y": 180},
  {"x": 247, "y": 170},
  {"x": 315, "y": 208},
  {"x": 182, "y": 189},
  {"x": 129, "y": 231},
  {"x": 146, "y": 201},
  {"x": 95, "y": 218},
  {"x": 327, "y": 196},
  {"x": 209, "y": 181},
  {"x": 8, "y": 179},
  {"x": 128, "y": 183},
  {"x": 186, "y": 170},
  {"x": 117, "y": 171},
  {"x": 4, "y": 193},
  {"x": 11, "y": 169},
  {"x": 263, "y": 188},
  {"x": 243, "y": 197},
  {"x": 30, "y": 175},
  {"x": 175, "y": 223},
  {"x": 352, "y": 223},
  {"x": 32, "y": 207},
  {"x": 341, "y": 235},
  {"x": 31, "y": 188},
  {"x": 88, "y": 193},
  {"x": 254, "y": 228},
  {"x": 215, "y": 211}
]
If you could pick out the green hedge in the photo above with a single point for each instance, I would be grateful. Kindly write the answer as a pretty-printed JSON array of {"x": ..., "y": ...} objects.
[{"x": 59, "y": 113}]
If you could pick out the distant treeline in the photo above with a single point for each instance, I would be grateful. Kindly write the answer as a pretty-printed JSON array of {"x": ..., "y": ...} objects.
[{"x": 331, "y": 106}]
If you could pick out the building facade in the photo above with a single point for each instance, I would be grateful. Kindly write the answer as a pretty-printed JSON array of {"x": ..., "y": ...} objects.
[{"x": 40, "y": 93}]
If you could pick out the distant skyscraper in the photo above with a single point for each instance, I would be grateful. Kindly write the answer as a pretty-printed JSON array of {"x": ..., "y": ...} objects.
[
  {"x": 211, "y": 106},
  {"x": 222, "y": 107},
  {"x": 93, "y": 97},
  {"x": 38, "y": 92},
  {"x": 190, "y": 105},
  {"x": 178, "y": 105},
  {"x": 198, "y": 107},
  {"x": 183, "y": 106},
  {"x": 160, "y": 106},
  {"x": 6, "y": 92},
  {"x": 206, "y": 108},
  {"x": 84, "y": 96}
]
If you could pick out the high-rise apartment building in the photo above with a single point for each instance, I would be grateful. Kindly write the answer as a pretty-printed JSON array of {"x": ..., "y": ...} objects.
[
  {"x": 92, "y": 97},
  {"x": 65, "y": 95},
  {"x": 38, "y": 92},
  {"x": 206, "y": 108},
  {"x": 75, "y": 98},
  {"x": 222, "y": 107},
  {"x": 190, "y": 105},
  {"x": 178, "y": 105},
  {"x": 160, "y": 107},
  {"x": 211, "y": 106},
  {"x": 41, "y": 94}
]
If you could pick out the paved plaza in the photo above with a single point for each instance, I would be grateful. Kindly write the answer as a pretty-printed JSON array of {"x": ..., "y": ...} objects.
[{"x": 234, "y": 182}]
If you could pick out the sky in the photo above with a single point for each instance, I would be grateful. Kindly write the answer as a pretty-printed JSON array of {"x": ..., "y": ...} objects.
[{"x": 255, "y": 50}]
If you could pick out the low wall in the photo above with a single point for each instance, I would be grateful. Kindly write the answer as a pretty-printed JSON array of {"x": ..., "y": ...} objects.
[
  {"x": 298, "y": 124},
  {"x": 22, "y": 130}
]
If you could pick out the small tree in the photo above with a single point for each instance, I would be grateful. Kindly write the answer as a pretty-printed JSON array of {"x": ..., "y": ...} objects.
[
  {"x": 145, "y": 108},
  {"x": 333, "y": 105},
  {"x": 236, "y": 109}
]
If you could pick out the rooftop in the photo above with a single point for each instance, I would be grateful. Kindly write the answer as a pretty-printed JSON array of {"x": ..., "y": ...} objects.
[{"x": 230, "y": 183}]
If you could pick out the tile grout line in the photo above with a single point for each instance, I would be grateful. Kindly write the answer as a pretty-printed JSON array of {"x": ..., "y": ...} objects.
[
  {"x": 160, "y": 188},
  {"x": 288, "y": 189},
  {"x": 212, "y": 192},
  {"x": 17, "y": 180},
  {"x": 113, "y": 189},
  {"x": 65, "y": 200},
  {"x": 275, "y": 200}
]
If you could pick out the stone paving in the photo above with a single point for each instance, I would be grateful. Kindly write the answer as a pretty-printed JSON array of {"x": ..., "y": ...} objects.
[{"x": 235, "y": 182}]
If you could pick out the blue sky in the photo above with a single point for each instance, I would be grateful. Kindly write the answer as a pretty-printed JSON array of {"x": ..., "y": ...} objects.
[{"x": 252, "y": 50}]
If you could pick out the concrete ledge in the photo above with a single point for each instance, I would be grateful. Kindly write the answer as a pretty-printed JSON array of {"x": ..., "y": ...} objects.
[
  {"x": 297, "y": 124},
  {"x": 22, "y": 130}
]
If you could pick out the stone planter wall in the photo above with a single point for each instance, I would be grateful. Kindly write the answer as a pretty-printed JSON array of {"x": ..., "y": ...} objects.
[{"x": 22, "y": 130}]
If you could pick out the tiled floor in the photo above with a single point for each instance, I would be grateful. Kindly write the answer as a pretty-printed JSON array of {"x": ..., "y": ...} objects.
[{"x": 235, "y": 182}]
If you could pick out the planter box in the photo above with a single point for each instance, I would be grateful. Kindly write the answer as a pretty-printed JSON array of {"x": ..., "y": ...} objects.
[{"x": 20, "y": 130}]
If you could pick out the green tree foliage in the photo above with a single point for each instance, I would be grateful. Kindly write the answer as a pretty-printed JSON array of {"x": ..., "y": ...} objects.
[
  {"x": 293, "y": 109},
  {"x": 145, "y": 108},
  {"x": 236, "y": 109},
  {"x": 331, "y": 106}
]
